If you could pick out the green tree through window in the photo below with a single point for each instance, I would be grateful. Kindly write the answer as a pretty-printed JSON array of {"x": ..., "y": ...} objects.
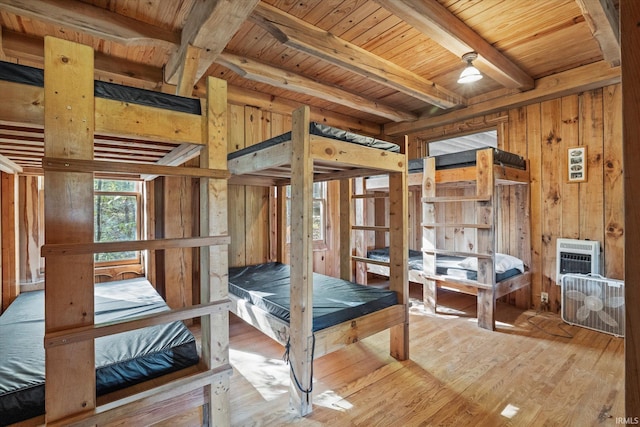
[{"x": 116, "y": 217}]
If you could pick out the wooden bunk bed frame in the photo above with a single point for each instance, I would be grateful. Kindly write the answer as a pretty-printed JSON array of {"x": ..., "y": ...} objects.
[
  {"x": 303, "y": 159},
  {"x": 485, "y": 176},
  {"x": 376, "y": 188},
  {"x": 71, "y": 116}
]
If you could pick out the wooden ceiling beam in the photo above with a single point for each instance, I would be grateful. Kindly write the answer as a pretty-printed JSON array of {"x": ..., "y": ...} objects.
[
  {"x": 210, "y": 25},
  {"x": 9, "y": 166},
  {"x": 261, "y": 72},
  {"x": 297, "y": 34},
  {"x": 92, "y": 20},
  {"x": 436, "y": 22},
  {"x": 107, "y": 68},
  {"x": 587, "y": 77},
  {"x": 603, "y": 20}
]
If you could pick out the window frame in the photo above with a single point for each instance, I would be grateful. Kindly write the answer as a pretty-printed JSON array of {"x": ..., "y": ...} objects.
[
  {"x": 137, "y": 260},
  {"x": 319, "y": 244}
]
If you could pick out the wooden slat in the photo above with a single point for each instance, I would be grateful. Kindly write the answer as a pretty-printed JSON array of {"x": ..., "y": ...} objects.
[
  {"x": 369, "y": 261},
  {"x": 85, "y": 333},
  {"x": 138, "y": 403},
  {"x": 458, "y": 253},
  {"x": 455, "y": 199},
  {"x": 78, "y": 165},
  {"x": 122, "y": 118},
  {"x": 354, "y": 155},
  {"x": 455, "y": 225},
  {"x": 369, "y": 227},
  {"x": 132, "y": 245}
]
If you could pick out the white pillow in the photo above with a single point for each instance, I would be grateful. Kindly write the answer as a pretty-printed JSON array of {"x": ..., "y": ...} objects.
[{"x": 504, "y": 262}]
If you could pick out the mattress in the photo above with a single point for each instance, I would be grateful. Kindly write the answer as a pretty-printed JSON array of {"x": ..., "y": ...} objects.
[
  {"x": 122, "y": 360},
  {"x": 35, "y": 77},
  {"x": 445, "y": 265},
  {"x": 382, "y": 254},
  {"x": 320, "y": 129},
  {"x": 334, "y": 300},
  {"x": 468, "y": 158}
]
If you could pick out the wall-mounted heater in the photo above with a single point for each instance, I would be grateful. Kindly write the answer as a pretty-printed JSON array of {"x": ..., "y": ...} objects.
[{"x": 577, "y": 256}]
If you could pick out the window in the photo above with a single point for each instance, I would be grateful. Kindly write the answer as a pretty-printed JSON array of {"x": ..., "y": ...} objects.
[
  {"x": 116, "y": 218},
  {"x": 319, "y": 213}
]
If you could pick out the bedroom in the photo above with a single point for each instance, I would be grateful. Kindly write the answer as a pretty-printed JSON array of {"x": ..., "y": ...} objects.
[{"x": 577, "y": 101}]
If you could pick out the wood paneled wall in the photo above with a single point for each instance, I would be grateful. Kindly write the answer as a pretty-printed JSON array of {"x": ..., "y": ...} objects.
[{"x": 543, "y": 133}]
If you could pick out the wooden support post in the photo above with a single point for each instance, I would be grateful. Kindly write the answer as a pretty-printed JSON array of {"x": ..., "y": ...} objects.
[
  {"x": 10, "y": 244},
  {"x": 68, "y": 133},
  {"x": 281, "y": 224},
  {"x": 398, "y": 258},
  {"x": 630, "y": 49},
  {"x": 301, "y": 299},
  {"x": 346, "y": 266},
  {"x": 429, "y": 287},
  {"x": 360, "y": 239},
  {"x": 214, "y": 260},
  {"x": 486, "y": 241}
]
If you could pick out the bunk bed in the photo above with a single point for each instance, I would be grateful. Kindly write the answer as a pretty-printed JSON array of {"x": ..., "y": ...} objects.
[
  {"x": 121, "y": 360},
  {"x": 275, "y": 297},
  {"x": 475, "y": 206},
  {"x": 78, "y": 337}
]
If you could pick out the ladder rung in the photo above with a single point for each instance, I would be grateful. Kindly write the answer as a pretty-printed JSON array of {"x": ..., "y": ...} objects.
[
  {"x": 451, "y": 199},
  {"x": 370, "y": 196},
  {"x": 456, "y": 225},
  {"x": 370, "y": 227},
  {"x": 456, "y": 253},
  {"x": 369, "y": 260}
]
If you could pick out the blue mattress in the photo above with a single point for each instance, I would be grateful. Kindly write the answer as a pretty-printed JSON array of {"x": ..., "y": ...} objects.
[
  {"x": 122, "y": 360},
  {"x": 334, "y": 300},
  {"x": 468, "y": 158},
  {"x": 320, "y": 130},
  {"x": 445, "y": 265},
  {"x": 23, "y": 74}
]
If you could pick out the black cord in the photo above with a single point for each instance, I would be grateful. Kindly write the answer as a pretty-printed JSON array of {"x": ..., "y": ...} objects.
[
  {"x": 560, "y": 326},
  {"x": 285, "y": 357}
]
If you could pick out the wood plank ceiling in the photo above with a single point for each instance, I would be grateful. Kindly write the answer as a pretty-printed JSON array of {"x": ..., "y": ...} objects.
[{"x": 370, "y": 65}]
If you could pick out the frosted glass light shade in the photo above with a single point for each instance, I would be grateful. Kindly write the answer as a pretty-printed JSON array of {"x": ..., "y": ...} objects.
[{"x": 470, "y": 74}]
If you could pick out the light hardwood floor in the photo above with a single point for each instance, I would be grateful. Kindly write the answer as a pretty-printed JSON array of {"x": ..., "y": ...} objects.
[{"x": 551, "y": 374}]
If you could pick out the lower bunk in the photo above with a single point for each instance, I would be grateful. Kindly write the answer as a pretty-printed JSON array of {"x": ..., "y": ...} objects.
[
  {"x": 343, "y": 312},
  {"x": 121, "y": 360},
  {"x": 459, "y": 274}
]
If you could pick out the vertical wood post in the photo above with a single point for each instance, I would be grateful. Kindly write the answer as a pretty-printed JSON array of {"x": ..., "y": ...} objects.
[
  {"x": 214, "y": 261},
  {"x": 10, "y": 244},
  {"x": 301, "y": 299},
  {"x": 429, "y": 243},
  {"x": 486, "y": 238},
  {"x": 346, "y": 269},
  {"x": 398, "y": 257},
  {"x": 68, "y": 133},
  {"x": 630, "y": 49}
]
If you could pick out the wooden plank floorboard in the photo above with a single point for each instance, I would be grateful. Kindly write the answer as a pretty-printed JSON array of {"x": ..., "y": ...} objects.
[{"x": 534, "y": 370}]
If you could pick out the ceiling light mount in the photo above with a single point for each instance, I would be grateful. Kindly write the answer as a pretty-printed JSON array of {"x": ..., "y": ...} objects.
[{"x": 470, "y": 73}]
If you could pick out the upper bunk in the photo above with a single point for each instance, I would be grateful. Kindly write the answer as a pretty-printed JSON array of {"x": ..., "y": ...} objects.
[
  {"x": 132, "y": 125},
  {"x": 335, "y": 154},
  {"x": 508, "y": 168}
]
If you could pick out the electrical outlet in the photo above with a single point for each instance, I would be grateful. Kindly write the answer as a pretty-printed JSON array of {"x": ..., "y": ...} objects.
[{"x": 544, "y": 297}]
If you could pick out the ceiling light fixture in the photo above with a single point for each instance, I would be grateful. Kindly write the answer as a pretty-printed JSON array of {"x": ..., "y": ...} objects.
[{"x": 470, "y": 73}]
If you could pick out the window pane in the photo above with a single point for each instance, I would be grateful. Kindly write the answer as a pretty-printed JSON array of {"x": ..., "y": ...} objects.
[
  {"x": 115, "y": 219},
  {"x": 114, "y": 186},
  {"x": 318, "y": 216}
]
